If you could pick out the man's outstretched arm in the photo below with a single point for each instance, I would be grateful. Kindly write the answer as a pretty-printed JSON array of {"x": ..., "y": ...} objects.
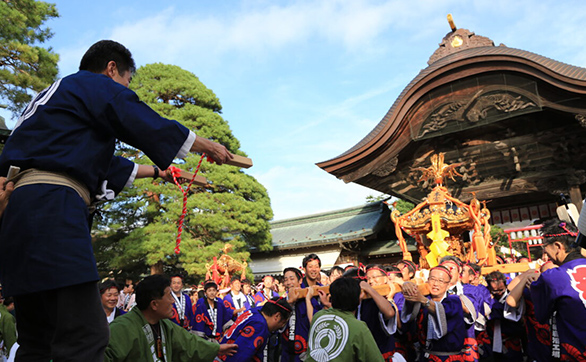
[{"x": 215, "y": 151}]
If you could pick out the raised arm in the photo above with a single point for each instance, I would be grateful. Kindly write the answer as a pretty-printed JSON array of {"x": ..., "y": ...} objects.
[
  {"x": 517, "y": 292},
  {"x": 384, "y": 306}
]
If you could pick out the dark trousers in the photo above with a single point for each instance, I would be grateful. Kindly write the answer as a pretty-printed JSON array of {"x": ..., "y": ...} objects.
[{"x": 65, "y": 324}]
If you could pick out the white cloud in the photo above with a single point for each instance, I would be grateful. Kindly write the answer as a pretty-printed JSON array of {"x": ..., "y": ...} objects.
[
  {"x": 258, "y": 30},
  {"x": 296, "y": 191}
]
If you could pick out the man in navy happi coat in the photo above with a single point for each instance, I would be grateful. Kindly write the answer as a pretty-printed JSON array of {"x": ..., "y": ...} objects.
[{"x": 69, "y": 132}]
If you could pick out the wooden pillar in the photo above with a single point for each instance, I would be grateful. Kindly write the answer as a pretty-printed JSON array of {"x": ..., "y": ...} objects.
[{"x": 576, "y": 197}]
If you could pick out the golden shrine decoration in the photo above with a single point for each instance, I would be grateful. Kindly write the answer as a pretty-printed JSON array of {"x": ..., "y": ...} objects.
[
  {"x": 222, "y": 269},
  {"x": 439, "y": 222}
]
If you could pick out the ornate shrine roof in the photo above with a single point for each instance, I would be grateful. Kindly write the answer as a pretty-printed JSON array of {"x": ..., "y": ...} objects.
[{"x": 501, "y": 111}]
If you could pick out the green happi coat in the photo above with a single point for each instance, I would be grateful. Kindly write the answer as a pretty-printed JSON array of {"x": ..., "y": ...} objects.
[
  {"x": 131, "y": 339},
  {"x": 337, "y": 335},
  {"x": 7, "y": 330}
]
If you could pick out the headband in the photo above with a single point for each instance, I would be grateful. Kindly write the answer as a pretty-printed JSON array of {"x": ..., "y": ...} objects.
[
  {"x": 312, "y": 259},
  {"x": 410, "y": 263},
  {"x": 458, "y": 265},
  {"x": 472, "y": 269},
  {"x": 294, "y": 270},
  {"x": 376, "y": 268},
  {"x": 567, "y": 232},
  {"x": 444, "y": 269},
  {"x": 275, "y": 302},
  {"x": 361, "y": 269}
]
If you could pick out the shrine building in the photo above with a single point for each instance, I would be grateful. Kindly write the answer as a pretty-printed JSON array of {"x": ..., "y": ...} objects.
[{"x": 514, "y": 120}]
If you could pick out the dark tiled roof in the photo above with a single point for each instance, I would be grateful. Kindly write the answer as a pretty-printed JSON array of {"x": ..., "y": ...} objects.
[
  {"x": 563, "y": 69},
  {"x": 385, "y": 247},
  {"x": 331, "y": 227}
]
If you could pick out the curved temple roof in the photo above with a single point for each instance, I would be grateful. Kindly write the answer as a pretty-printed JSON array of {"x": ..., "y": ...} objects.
[{"x": 392, "y": 133}]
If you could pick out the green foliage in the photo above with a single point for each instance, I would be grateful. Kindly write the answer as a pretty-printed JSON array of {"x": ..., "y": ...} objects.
[
  {"x": 371, "y": 198},
  {"x": 24, "y": 65},
  {"x": 139, "y": 229},
  {"x": 401, "y": 205},
  {"x": 500, "y": 238}
]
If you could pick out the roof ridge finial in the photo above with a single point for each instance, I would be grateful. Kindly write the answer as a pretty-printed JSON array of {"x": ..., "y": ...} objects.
[{"x": 451, "y": 22}]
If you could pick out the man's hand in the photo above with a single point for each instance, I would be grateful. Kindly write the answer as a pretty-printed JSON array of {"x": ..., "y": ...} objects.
[
  {"x": 227, "y": 349},
  {"x": 324, "y": 298},
  {"x": 310, "y": 293},
  {"x": 412, "y": 294},
  {"x": 293, "y": 295},
  {"x": 215, "y": 151},
  {"x": 6, "y": 189},
  {"x": 531, "y": 277},
  {"x": 366, "y": 290},
  {"x": 167, "y": 175}
]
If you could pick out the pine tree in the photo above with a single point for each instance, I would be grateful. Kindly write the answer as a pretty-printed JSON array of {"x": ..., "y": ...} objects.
[
  {"x": 140, "y": 227},
  {"x": 24, "y": 65}
]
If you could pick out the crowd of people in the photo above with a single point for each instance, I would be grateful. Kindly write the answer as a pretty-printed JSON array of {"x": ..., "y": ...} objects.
[{"x": 392, "y": 312}]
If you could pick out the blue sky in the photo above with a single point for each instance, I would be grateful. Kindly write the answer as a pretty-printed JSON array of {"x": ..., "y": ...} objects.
[{"x": 303, "y": 81}]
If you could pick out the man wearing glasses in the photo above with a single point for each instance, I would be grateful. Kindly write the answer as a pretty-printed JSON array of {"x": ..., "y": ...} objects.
[{"x": 440, "y": 318}]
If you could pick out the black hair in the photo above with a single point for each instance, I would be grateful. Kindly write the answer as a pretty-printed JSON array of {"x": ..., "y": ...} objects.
[
  {"x": 107, "y": 284},
  {"x": 337, "y": 268},
  {"x": 201, "y": 294},
  {"x": 151, "y": 288},
  {"x": 210, "y": 284},
  {"x": 345, "y": 294},
  {"x": 246, "y": 281},
  {"x": 475, "y": 267},
  {"x": 556, "y": 230},
  {"x": 8, "y": 301},
  {"x": 97, "y": 57},
  {"x": 295, "y": 271},
  {"x": 309, "y": 258},
  {"x": 354, "y": 273},
  {"x": 410, "y": 265},
  {"x": 495, "y": 276},
  {"x": 234, "y": 278},
  {"x": 277, "y": 305},
  {"x": 390, "y": 269}
]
